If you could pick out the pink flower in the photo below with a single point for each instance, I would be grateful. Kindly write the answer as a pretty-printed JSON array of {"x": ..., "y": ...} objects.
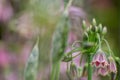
[
  {"x": 99, "y": 59},
  {"x": 112, "y": 65},
  {"x": 103, "y": 71},
  {"x": 6, "y": 12}
]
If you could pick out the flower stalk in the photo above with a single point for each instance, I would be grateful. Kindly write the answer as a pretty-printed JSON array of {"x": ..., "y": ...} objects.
[{"x": 89, "y": 67}]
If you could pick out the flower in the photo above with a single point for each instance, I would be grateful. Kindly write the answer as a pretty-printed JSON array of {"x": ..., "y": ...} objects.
[
  {"x": 103, "y": 71},
  {"x": 99, "y": 59},
  {"x": 112, "y": 65}
]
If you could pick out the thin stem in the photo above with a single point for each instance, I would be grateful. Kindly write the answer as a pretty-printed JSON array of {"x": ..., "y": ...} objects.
[
  {"x": 99, "y": 41},
  {"x": 76, "y": 55},
  {"x": 73, "y": 51},
  {"x": 67, "y": 7},
  {"x": 55, "y": 71},
  {"x": 69, "y": 4},
  {"x": 89, "y": 67},
  {"x": 108, "y": 46},
  {"x": 75, "y": 43}
]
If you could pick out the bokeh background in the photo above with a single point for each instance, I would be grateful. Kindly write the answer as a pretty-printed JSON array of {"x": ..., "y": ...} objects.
[{"x": 21, "y": 21}]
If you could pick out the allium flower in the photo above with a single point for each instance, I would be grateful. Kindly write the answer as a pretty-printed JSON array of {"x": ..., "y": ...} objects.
[
  {"x": 112, "y": 65},
  {"x": 99, "y": 59},
  {"x": 103, "y": 71}
]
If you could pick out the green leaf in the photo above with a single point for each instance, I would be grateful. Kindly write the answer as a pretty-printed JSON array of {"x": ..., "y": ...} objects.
[
  {"x": 31, "y": 68},
  {"x": 60, "y": 39},
  {"x": 58, "y": 45}
]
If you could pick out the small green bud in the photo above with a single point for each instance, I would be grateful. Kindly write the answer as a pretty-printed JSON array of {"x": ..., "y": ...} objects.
[
  {"x": 100, "y": 28},
  {"x": 104, "y": 31},
  {"x": 85, "y": 36},
  {"x": 80, "y": 71},
  {"x": 90, "y": 27},
  {"x": 83, "y": 24},
  {"x": 94, "y": 22},
  {"x": 88, "y": 30},
  {"x": 96, "y": 29}
]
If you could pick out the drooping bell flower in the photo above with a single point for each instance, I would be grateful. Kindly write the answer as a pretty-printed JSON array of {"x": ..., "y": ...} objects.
[
  {"x": 112, "y": 65},
  {"x": 103, "y": 71},
  {"x": 99, "y": 59}
]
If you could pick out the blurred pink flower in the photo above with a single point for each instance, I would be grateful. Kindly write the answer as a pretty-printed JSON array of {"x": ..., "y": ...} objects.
[
  {"x": 71, "y": 37},
  {"x": 76, "y": 11},
  {"x": 12, "y": 76},
  {"x": 4, "y": 58},
  {"x": 6, "y": 12}
]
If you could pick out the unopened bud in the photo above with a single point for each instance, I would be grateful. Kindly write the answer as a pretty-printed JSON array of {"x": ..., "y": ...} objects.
[
  {"x": 100, "y": 28},
  {"x": 84, "y": 24},
  {"x": 88, "y": 30},
  {"x": 80, "y": 70},
  {"x": 73, "y": 70},
  {"x": 94, "y": 22},
  {"x": 91, "y": 27},
  {"x": 85, "y": 36},
  {"x": 112, "y": 65},
  {"x": 104, "y": 31},
  {"x": 94, "y": 29}
]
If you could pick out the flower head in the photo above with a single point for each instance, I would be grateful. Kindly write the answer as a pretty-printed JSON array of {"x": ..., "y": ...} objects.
[{"x": 99, "y": 59}]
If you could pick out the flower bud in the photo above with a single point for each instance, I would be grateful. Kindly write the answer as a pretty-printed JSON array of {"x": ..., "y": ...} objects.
[
  {"x": 100, "y": 28},
  {"x": 84, "y": 24},
  {"x": 104, "y": 31},
  {"x": 94, "y": 22},
  {"x": 112, "y": 65},
  {"x": 80, "y": 71},
  {"x": 73, "y": 70},
  {"x": 85, "y": 36},
  {"x": 88, "y": 30},
  {"x": 94, "y": 29}
]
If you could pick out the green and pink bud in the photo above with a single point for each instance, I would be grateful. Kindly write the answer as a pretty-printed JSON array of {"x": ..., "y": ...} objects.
[{"x": 112, "y": 65}]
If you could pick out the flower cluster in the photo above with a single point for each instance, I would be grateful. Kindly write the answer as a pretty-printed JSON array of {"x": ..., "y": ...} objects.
[{"x": 103, "y": 64}]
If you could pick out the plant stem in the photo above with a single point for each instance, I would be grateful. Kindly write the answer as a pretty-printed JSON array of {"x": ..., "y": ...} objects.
[
  {"x": 55, "y": 71},
  {"x": 89, "y": 67}
]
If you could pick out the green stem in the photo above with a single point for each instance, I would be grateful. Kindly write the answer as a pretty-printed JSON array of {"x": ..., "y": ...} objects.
[
  {"x": 99, "y": 41},
  {"x": 55, "y": 71},
  {"x": 89, "y": 67},
  {"x": 109, "y": 49}
]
